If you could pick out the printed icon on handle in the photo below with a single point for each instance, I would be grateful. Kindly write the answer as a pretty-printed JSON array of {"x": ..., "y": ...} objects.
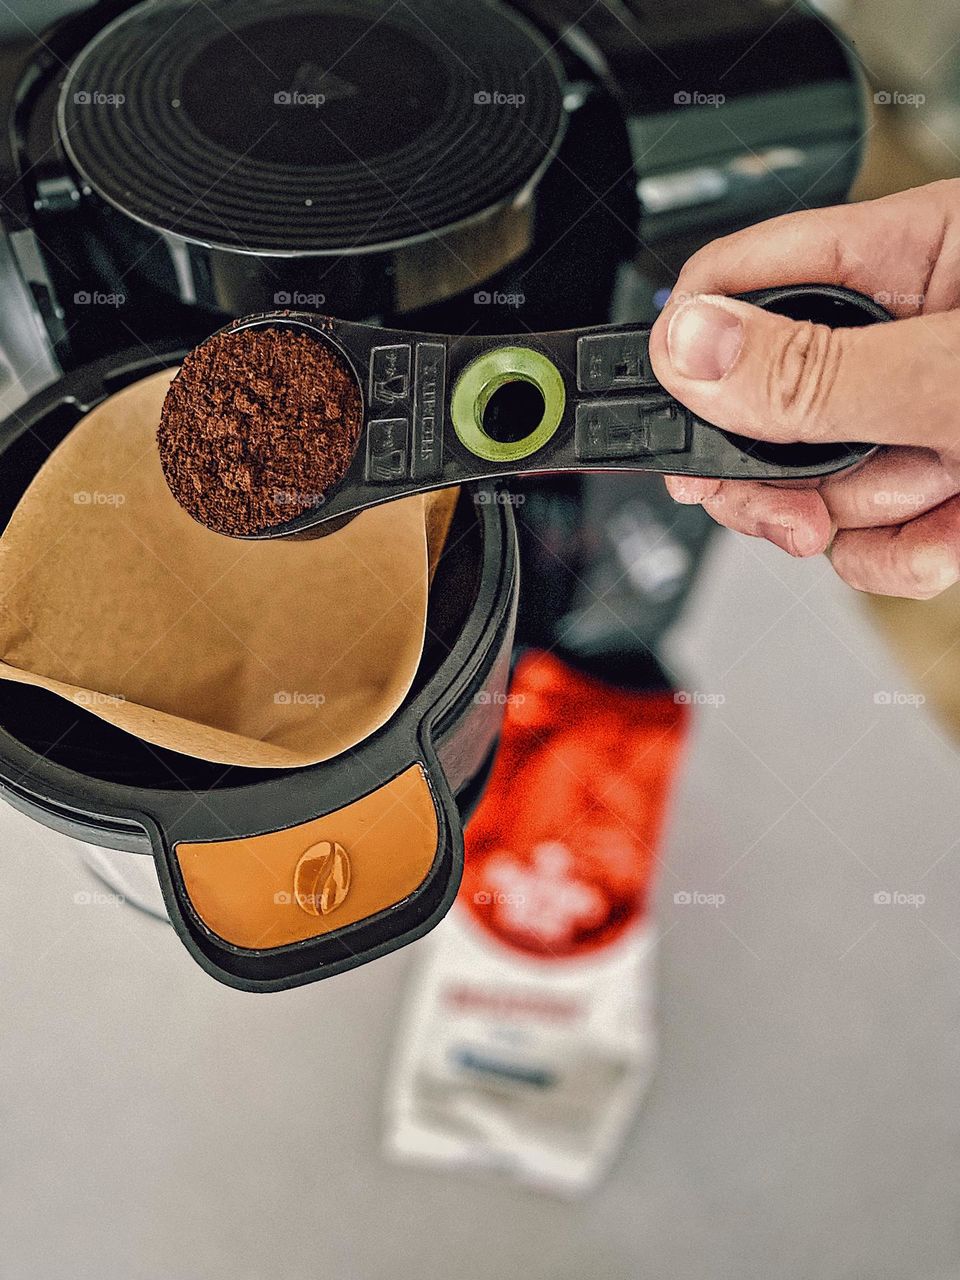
[{"x": 321, "y": 880}]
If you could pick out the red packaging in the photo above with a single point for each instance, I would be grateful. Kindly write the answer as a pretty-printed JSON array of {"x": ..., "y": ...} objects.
[
  {"x": 571, "y": 818},
  {"x": 531, "y": 1032}
]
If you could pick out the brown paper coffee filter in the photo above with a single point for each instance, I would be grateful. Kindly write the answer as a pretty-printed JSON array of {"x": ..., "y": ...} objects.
[{"x": 266, "y": 654}]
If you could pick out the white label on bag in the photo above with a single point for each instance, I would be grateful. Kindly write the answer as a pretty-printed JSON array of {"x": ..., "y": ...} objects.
[{"x": 532, "y": 1067}]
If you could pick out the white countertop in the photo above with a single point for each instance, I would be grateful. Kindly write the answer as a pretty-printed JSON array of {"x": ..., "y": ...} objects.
[{"x": 805, "y": 1119}]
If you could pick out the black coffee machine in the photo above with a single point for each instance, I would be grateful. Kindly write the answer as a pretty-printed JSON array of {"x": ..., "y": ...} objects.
[
  {"x": 171, "y": 164},
  {"x": 538, "y": 165}
]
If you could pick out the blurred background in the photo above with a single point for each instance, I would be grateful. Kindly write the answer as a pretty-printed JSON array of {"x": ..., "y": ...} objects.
[{"x": 798, "y": 1108}]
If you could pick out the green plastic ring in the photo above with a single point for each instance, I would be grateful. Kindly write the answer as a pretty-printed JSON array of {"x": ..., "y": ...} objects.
[{"x": 486, "y": 375}]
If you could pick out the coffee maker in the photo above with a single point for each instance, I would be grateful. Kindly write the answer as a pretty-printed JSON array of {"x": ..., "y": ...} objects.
[
  {"x": 169, "y": 165},
  {"x": 544, "y": 164}
]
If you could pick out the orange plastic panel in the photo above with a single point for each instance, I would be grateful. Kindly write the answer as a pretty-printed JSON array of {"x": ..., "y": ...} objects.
[{"x": 266, "y": 891}]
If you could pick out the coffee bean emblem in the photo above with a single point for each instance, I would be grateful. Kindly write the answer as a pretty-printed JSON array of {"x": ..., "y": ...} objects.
[{"x": 321, "y": 880}]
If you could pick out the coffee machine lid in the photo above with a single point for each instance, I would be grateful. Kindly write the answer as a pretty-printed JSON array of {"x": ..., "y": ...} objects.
[{"x": 311, "y": 126}]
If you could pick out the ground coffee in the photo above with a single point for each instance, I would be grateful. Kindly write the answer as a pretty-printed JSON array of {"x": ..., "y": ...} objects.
[{"x": 257, "y": 426}]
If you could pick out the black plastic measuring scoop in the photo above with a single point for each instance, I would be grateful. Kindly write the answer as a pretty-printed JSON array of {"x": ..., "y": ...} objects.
[{"x": 441, "y": 411}]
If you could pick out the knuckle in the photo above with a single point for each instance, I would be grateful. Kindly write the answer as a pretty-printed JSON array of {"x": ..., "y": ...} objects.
[{"x": 801, "y": 380}]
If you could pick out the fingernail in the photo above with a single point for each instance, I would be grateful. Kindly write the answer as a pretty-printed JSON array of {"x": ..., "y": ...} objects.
[
  {"x": 704, "y": 340},
  {"x": 681, "y": 494},
  {"x": 780, "y": 535},
  {"x": 691, "y": 491}
]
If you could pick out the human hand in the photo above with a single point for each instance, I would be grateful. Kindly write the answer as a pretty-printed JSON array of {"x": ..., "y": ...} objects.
[{"x": 892, "y": 526}]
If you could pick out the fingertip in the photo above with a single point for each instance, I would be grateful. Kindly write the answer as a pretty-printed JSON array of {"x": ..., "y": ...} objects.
[
  {"x": 704, "y": 337},
  {"x": 856, "y": 556},
  {"x": 869, "y": 561},
  {"x": 691, "y": 490},
  {"x": 796, "y": 521},
  {"x": 931, "y": 569},
  {"x": 813, "y": 528},
  {"x": 812, "y": 537},
  {"x": 799, "y": 538}
]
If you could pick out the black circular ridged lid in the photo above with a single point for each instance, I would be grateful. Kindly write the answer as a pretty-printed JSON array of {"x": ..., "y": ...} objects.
[{"x": 311, "y": 126}]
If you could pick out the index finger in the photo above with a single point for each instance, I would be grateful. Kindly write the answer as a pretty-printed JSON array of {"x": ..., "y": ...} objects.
[{"x": 885, "y": 248}]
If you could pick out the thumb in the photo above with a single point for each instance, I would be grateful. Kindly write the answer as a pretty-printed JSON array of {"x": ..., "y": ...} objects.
[{"x": 771, "y": 378}]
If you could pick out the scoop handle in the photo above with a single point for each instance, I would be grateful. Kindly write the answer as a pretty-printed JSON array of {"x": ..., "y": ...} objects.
[{"x": 441, "y": 411}]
